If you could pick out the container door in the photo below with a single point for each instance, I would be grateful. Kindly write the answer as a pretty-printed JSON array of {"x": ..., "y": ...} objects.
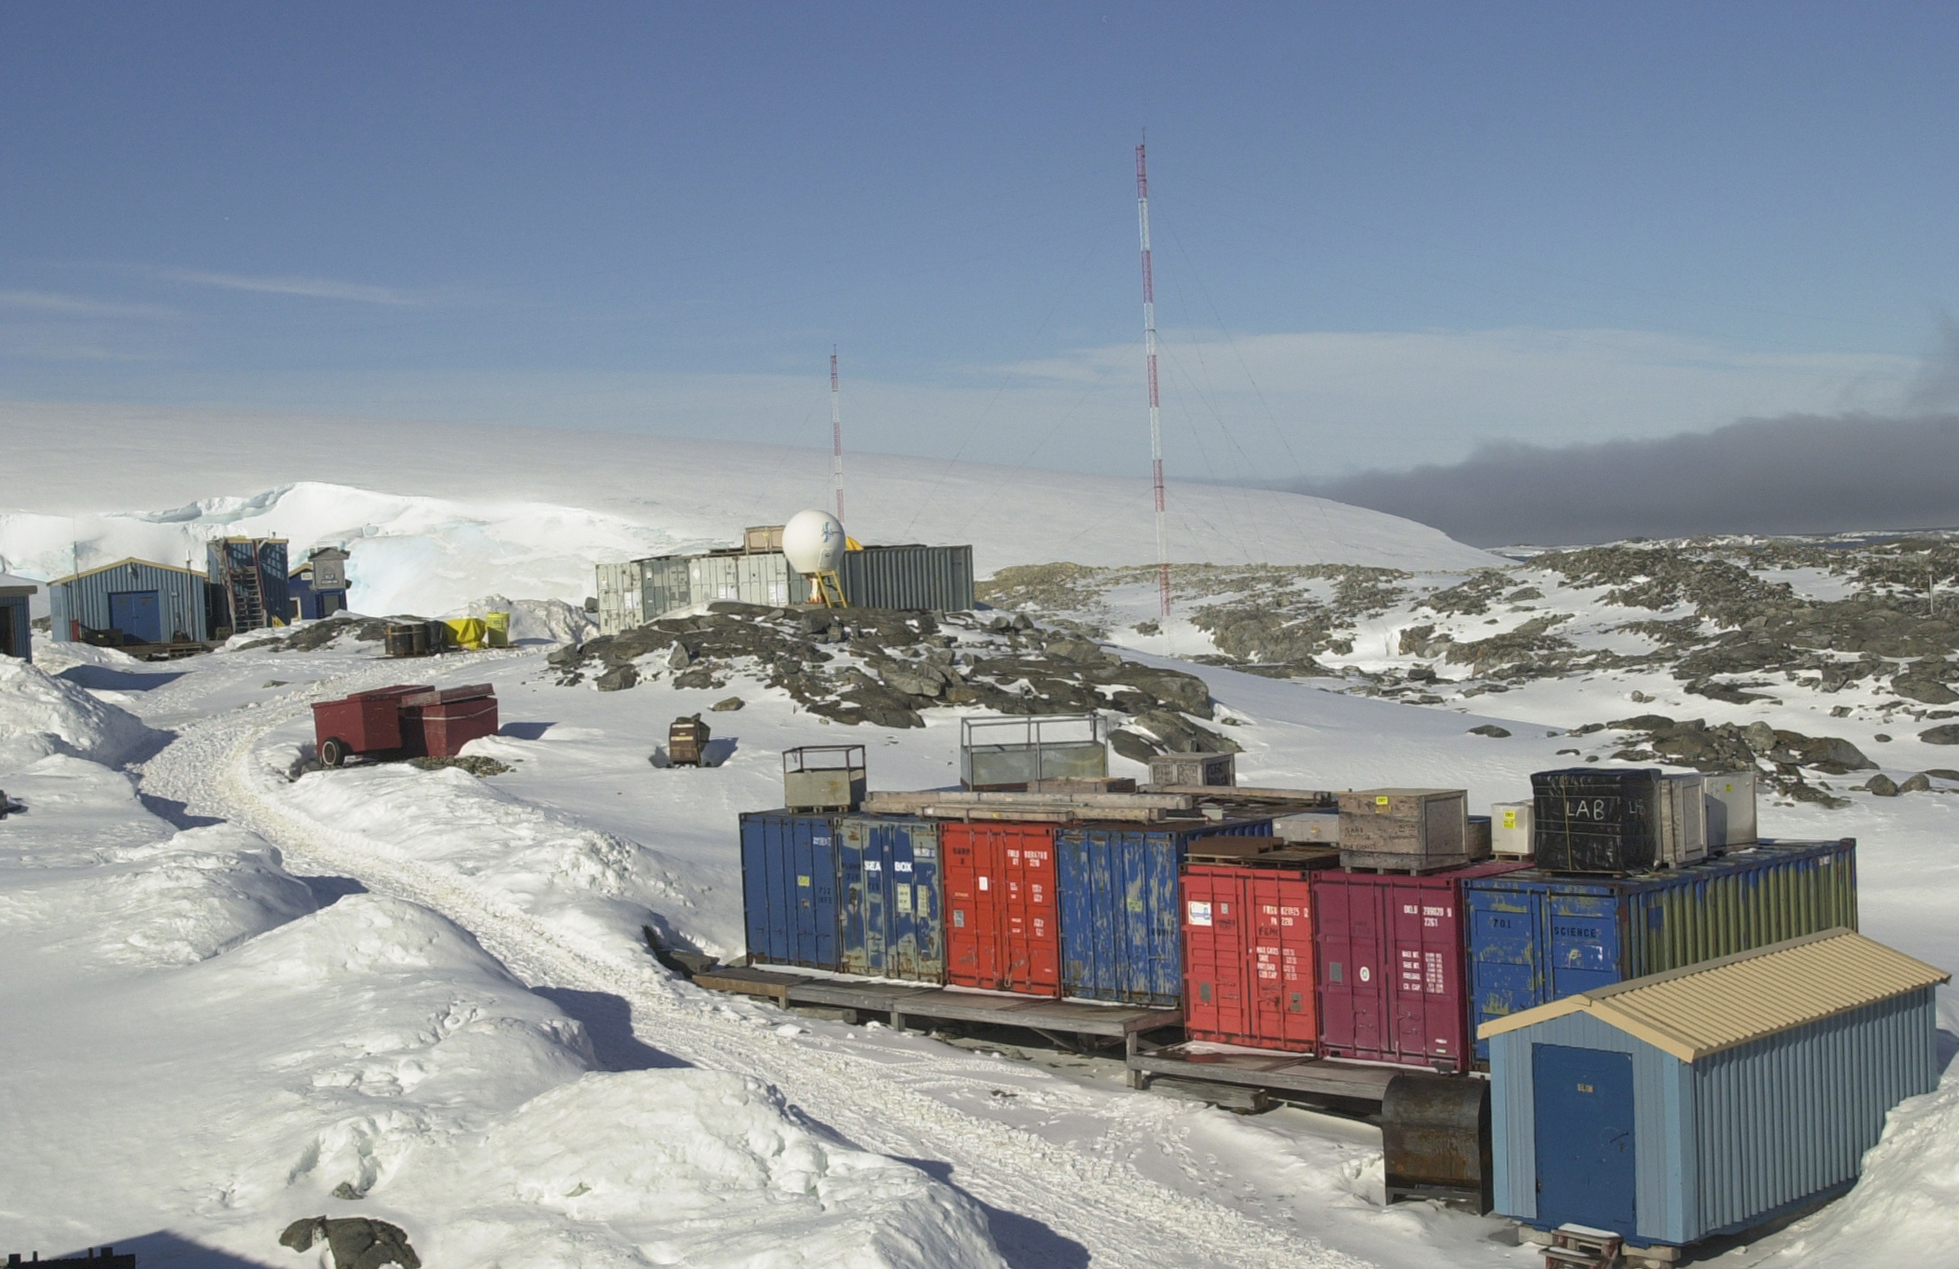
[
  {"x": 1431, "y": 1024},
  {"x": 1586, "y": 942},
  {"x": 1084, "y": 915},
  {"x": 855, "y": 840},
  {"x": 1214, "y": 953},
  {"x": 1029, "y": 901},
  {"x": 1283, "y": 1012},
  {"x": 135, "y": 613},
  {"x": 815, "y": 912},
  {"x": 757, "y": 894},
  {"x": 1506, "y": 963},
  {"x": 1163, "y": 857},
  {"x": 1584, "y": 1108},
  {"x": 912, "y": 948},
  {"x": 971, "y": 927},
  {"x": 1354, "y": 1019}
]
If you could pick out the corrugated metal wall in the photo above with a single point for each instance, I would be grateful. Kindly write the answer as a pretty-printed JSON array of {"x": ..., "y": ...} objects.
[
  {"x": 1725, "y": 1142},
  {"x": 1791, "y": 1115},
  {"x": 931, "y": 578},
  {"x": 619, "y": 598},
  {"x": 20, "y": 642},
  {"x": 663, "y": 586},
  {"x": 182, "y": 599},
  {"x": 1662, "y": 1099},
  {"x": 1536, "y": 937},
  {"x": 270, "y": 557}
]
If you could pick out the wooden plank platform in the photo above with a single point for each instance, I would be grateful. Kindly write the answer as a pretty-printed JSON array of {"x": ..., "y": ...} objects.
[
  {"x": 914, "y": 1000},
  {"x": 1288, "y": 1072}
]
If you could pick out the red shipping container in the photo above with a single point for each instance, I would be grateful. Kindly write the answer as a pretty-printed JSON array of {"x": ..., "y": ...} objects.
[
  {"x": 1001, "y": 926},
  {"x": 1393, "y": 968},
  {"x": 1249, "y": 956}
]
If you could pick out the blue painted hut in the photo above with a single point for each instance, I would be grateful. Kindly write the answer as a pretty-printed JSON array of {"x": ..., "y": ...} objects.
[
  {"x": 1709, "y": 1099},
  {"x": 128, "y": 602},
  {"x": 318, "y": 586},
  {"x": 16, "y": 635}
]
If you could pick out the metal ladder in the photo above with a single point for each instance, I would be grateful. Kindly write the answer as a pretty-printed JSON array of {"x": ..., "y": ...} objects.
[
  {"x": 246, "y": 591},
  {"x": 829, "y": 589}
]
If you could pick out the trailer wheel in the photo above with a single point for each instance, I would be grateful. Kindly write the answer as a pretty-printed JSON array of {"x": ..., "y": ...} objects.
[{"x": 333, "y": 751}]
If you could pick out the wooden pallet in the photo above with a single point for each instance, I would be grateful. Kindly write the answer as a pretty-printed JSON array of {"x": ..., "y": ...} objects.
[
  {"x": 1273, "y": 1072},
  {"x": 1046, "y": 1016}
]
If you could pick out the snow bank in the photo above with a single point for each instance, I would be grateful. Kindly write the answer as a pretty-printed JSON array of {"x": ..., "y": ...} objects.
[
  {"x": 42, "y": 715},
  {"x": 701, "y": 1168},
  {"x": 1905, "y": 1205},
  {"x": 594, "y": 886}
]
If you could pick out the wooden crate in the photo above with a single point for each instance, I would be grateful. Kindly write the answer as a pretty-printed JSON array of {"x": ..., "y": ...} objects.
[
  {"x": 1206, "y": 770},
  {"x": 1414, "y": 829}
]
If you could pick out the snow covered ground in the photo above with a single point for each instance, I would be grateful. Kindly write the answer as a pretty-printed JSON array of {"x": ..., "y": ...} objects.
[{"x": 234, "y": 999}]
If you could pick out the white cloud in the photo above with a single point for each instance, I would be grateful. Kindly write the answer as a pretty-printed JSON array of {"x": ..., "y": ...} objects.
[
  {"x": 310, "y": 288},
  {"x": 58, "y": 305}
]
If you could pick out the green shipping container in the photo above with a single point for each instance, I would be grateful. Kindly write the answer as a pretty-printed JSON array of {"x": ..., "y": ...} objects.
[{"x": 1536, "y": 936}]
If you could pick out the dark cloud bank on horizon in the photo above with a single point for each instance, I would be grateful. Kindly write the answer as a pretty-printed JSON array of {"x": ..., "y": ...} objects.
[{"x": 1800, "y": 474}]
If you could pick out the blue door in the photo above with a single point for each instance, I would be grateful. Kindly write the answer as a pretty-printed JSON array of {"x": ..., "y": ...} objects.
[
  {"x": 789, "y": 888},
  {"x": 1584, "y": 1110},
  {"x": 135, "y": 613}
]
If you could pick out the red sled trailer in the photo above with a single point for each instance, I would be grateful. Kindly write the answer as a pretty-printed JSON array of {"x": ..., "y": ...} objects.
[{"x": 413, "y": 721}]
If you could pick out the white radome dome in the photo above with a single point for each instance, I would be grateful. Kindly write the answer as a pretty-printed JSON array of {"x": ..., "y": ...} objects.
[{"x": 813, "y": 541}]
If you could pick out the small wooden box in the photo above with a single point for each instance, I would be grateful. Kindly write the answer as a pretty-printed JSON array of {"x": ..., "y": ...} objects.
[
  {"x": 687, "y": 741},
  {"x": 1418, "y": 830},
  {"x": 1211, "y": 770}
]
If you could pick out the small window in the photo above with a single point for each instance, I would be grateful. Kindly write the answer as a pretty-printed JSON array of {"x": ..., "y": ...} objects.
[{"x": 1333, "y": 972}]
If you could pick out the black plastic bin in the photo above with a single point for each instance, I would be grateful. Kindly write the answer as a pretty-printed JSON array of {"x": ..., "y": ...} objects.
[{"x": 1593, "y": 820}]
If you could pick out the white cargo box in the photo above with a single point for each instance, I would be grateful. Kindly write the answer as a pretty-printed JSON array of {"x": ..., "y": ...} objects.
[
  {"x": 1318, "y": 827},
  {"x": 1730, "y": 810},
  {"x": 1683, "y": 821},
  {"x": 1510, "y": 828}
]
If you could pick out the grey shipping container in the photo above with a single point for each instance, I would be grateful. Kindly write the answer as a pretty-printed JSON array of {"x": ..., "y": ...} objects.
[
  {"x": 928, "y": 578},
  {"x": 619, "y": 598},
  {"x": 1536, "y": 937},
  {"x": 1709, "y": 1100},
  {"x": 146, "y": 602}
]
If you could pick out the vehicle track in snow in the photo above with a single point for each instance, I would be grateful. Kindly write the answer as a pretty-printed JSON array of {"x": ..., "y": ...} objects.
[{"x": 1085, "y": 1192}]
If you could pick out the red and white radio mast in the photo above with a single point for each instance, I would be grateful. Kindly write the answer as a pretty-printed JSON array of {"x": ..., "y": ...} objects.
[
  {"x": 1149, "y": 350},
  {"x": 836, "y": 435}
]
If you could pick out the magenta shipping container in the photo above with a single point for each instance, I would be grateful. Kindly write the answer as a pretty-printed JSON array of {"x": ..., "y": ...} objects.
[{"x": 1392, "y": 978}]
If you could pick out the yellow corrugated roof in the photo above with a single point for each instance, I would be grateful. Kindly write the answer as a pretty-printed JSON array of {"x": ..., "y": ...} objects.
[{"x": 1719, "y": 1004}]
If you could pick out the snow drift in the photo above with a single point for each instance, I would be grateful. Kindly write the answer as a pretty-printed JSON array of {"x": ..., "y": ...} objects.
[{"x": 42, "y": 715}]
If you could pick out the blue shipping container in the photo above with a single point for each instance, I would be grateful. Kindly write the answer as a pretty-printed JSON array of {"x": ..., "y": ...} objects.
[
  {"x": 1535, "y": 937},
  {"x": 1121, "y": 921},
  {"x": 893, "y": 926},
  {"x": 789, "y": 889}
]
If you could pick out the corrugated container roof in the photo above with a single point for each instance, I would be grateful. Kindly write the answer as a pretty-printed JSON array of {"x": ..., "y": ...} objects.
[
  {"x": 1721, "y": 1004},
  {"x": 128, "y": 559}
]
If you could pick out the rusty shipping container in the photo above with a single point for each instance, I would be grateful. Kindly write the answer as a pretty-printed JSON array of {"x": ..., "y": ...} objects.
[
  {"x": 1536, "y": 937},
  {"x": 1248, "y": 951},
  {"x": 1002, "y": 927},
  {"x": 1121, "y": 915},
  {"x": 1393, "y": 978}
]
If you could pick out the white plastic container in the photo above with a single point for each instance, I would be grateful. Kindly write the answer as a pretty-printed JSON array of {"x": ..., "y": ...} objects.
[
  {"x": 1510, "y": 830},
  {"x": 1683, "y": 821},
  {"x": 1730, "y": 810}
]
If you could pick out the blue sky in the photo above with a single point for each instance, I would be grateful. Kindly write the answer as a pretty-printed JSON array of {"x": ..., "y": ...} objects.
[{"x": 1384, "y": 233}]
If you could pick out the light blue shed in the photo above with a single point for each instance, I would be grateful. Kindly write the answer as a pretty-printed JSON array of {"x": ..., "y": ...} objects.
[
  {"x": 1709, "y": 1099},
  {"x": 16, "y": 636}
]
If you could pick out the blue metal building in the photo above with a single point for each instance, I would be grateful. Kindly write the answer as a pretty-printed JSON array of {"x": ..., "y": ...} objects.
[
  {"x": 1709, "y": 1099},
  {"x": 318, "y": 586},
  {"x": 1121, "y": 909},
  {"x": 16, "y": 634},
  {"x": 130, "y": 601}
]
